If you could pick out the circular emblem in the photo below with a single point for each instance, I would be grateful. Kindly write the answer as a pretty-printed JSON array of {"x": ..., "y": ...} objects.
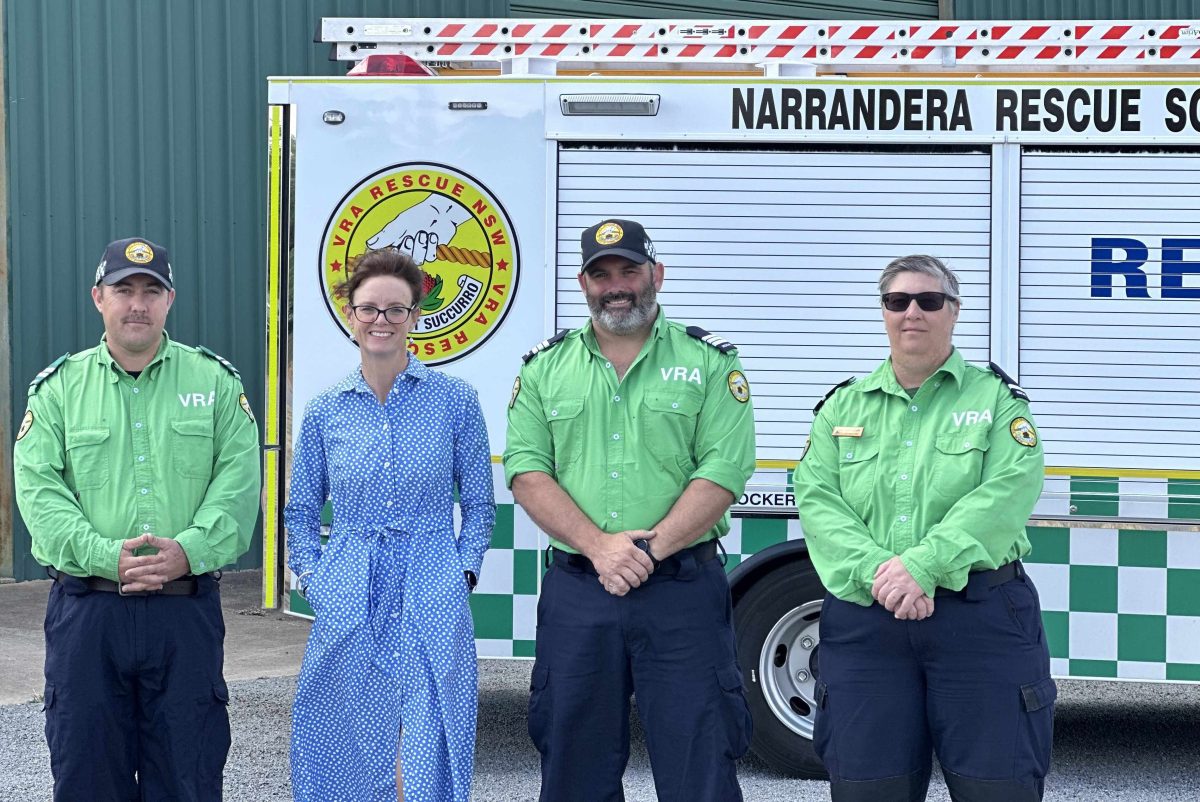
[
  {"x": 738, "y": 386},
  {"x": 609, "y": 233},
  {"x": 26, "y": 424},
  {"x": 516, "y": 392},
  {"x": 139, "y": 253},
  {"x": 456, "y": 231},
  {"x": 1023, "y": 432}
]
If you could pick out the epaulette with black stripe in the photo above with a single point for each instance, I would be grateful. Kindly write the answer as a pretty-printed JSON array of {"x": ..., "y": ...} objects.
[
  {"x": 543, "y": 345},
  {"x": 224, "y": 362},
  {"x": 47, "y": 372},
  {"x": 720, "y": 343},
  {"x": 833, "y": 390},
  {"x": 1012, "y": 385}
]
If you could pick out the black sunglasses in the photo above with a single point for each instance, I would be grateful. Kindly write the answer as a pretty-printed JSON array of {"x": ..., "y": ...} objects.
[{"x": 928, "y": 301}]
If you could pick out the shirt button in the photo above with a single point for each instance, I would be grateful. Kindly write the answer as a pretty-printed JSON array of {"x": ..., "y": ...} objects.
[
  {"x": 674, "y": 405},
  {"x": 387, "y": 464},
  {"x": 913, "y": 407},
  {"x": 849, "y": 455},
  {"x": 904, "y": 477},
  {"x": 145, "y": 527},
  {"x": 608, "y": 364},
  {"x": 141, "y": 458},
  {"x": 616, "y": 398},
  {"x": 203, "y": 564},
  {"x": 136, "y": 390},
  {"x": 967, "y": 444},
  {"x": 145, "y": 490},
  {"x": 903, "y": 518},
  {"x": 388, "y": 504},
  {"x": 614, "y": 515},
  {"x": 553, "y": 412},
  {"x": 908, "y": 443},
  {"x": 615, "y": 474},
  {"x": 616, "y": 437},
  {"x": 137, "y": 425}
]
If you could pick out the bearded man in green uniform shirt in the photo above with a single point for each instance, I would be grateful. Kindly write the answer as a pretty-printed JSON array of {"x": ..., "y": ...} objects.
[
  {"x": 913, "y": 494},
  {"x": 628, "y": 439},
  {"x": 137, "y": 473}
]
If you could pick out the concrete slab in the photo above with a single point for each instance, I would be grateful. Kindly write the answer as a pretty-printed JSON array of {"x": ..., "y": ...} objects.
[{"x": 258, "y": 642}]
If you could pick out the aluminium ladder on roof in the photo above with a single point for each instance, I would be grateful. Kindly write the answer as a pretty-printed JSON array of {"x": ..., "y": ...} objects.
[{"x": 744, "y": 44}]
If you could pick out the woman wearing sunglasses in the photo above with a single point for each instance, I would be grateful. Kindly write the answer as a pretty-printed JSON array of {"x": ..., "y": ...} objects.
[
  {"x": 393, "y": 643},
  {"x": 913, "y": 493}
]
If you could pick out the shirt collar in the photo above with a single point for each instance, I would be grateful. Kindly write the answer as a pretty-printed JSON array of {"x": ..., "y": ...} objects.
[
  {"x": 884, "y": 378},
  {"x": 105, "y": 357},
  {"x": 357, "y": 383}
]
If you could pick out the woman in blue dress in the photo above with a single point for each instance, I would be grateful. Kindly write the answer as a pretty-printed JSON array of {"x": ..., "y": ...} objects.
[{"x": 393, "y": 644}]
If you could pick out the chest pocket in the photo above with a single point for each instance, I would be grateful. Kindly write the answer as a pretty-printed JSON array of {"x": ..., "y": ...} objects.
[
  {"x": 668, "y": 425},
  {"x": 87, "y": 457},
  {"x": 192, "y": 447},
  {"x": 563, "y": 417},
  {"x": 958, "y": 463},
  {"x": 858, "y": 463}
]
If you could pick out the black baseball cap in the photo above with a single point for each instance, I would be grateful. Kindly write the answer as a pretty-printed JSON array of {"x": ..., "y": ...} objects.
[
  {"x": 128, "y": 257},
  {"x": 615, "y": 237}
]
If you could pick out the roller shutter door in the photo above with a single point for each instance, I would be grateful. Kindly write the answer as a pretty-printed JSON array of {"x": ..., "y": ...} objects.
[{"x": 779, "y": 251}]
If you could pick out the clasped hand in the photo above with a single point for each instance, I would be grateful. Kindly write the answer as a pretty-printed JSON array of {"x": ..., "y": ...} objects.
[
  {"x": 899, "y": 593},
  {"x": 150, "y": 571},
  {"x": 620, "y": 565}
]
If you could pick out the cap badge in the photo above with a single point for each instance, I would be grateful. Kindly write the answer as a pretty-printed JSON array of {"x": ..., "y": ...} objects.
[
  {"x": 139, "y": 253},
  {"x": 609, "y": 233}
]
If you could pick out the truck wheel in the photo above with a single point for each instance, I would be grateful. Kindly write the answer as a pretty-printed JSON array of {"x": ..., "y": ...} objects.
[{"x": 777, "y": 639}]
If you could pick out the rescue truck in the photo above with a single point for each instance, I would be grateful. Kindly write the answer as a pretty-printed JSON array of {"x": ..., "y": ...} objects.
[{"x": 779, "y": 165}]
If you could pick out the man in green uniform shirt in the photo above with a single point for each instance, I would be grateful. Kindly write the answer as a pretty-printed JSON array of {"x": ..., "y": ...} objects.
[
  {"x": 628, "y": 439},
  {"x": 913, "y": 494},
  {"x": 137, "y": 473}
]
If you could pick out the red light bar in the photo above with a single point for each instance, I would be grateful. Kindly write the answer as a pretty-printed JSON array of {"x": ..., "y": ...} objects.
[{"x": 394, "y": 64}]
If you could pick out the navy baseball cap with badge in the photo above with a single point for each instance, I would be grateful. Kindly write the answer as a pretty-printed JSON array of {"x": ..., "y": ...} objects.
[
  {"x": 614, "y": 237},
  {"x": 128, "y": 257}
]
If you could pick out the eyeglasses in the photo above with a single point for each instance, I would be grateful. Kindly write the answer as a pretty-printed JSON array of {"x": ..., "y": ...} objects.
[
  {"x": 928, "y": 301},
  {"x": 393, "y": 314}
]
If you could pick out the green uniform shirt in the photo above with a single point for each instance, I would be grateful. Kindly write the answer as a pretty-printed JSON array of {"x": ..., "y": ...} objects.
[
  {"x": 946, "y": 479},
  {"x": 625, "y": 451},
  {"x": 103, "y": 457}
]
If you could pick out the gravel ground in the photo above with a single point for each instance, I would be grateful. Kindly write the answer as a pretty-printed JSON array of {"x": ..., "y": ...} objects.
[{"x": 1116, "y": 742}]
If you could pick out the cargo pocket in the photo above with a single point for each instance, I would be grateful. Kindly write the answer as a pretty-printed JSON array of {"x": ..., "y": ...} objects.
[
  {"x": 858, "y": 460},
  {"x": 539, "y": 707},
  {"x": 1038, "y": 700},
  {"x": 213, "y": 744},
  {"x": 736, "y": 713},
  {"x": 192, "y": 444},
  {"x": 822, "y": 736},
  {"x": 87, "y": 457},
  {"x": 958, "y": 463},
  {"x": 566, "y": 431}
]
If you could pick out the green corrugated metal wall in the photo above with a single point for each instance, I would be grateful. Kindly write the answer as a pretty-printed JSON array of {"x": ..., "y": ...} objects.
[
  {"x": 131, "y": 117},
  {"x": 1180, "y": 10},
  {"x": 730, "y": 9}
]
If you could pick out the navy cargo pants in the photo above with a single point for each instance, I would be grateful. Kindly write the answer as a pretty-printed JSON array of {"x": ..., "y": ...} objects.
[
  {"x": 971, "y": 683},
  {"x": 136, "y": 708},
  {"x": 670, "y": 644}
]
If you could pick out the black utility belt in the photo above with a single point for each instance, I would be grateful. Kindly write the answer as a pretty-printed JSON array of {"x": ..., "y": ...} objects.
[
  {"x": 701, "y": 552},
  {"x": 184, "y": 586},
  {"x": 980, "y": 582}
]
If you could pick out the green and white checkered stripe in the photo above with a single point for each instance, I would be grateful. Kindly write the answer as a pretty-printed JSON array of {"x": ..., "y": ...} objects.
[
  {"x": 1117, "y": 603},
  {"x": 1120, "y": 603}
]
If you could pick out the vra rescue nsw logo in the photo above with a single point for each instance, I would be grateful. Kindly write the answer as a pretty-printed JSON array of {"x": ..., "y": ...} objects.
[{"x": 457, "y": 233}]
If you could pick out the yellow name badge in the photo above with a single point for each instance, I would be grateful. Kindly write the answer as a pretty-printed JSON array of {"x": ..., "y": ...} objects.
[{"x": 847, "y": 431}]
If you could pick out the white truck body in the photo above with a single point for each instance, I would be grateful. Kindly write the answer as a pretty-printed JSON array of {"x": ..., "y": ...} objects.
[{"x": 1064, "y": 198}]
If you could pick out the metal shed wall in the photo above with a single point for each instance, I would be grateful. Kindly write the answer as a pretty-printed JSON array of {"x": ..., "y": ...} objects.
[
  {"x": 730, "y": 9},
  {"x": 1182, "y": 10},
  {"x": 129, "y": 117}
]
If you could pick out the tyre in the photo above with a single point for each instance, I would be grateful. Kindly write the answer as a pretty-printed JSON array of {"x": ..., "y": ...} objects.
[{"x": 776, "y": 625}]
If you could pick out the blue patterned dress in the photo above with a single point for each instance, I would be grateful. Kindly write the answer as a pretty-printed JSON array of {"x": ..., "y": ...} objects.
[{"x": 393, "y": 641}]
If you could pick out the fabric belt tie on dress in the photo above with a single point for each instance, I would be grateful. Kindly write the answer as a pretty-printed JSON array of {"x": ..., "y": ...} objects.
[
  {"x": 701, "y": 552},
  {"x": 980, "y": 583},
  {"x": 184, "y": 586}
]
